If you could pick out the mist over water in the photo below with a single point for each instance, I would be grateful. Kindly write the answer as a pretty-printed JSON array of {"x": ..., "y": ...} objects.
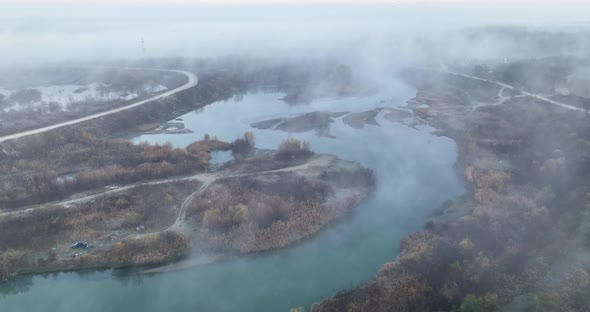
[
  {"x": 414, "y": 168},
  {"x": 414, "y": 175},
  {"x": 365, "y": 34}
]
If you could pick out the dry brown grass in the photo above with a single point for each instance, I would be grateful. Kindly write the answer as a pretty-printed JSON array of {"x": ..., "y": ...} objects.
[
  {"x": 487, "y": 178},
  {"x": 154, "y": 207},
  {"x": 89, "y": 162},
  {"x": 255, "y": 214},
  {"x": 149, "y": 249},
  {"x": 202, "y": 149},
  {"x": 10, "y": 262}
]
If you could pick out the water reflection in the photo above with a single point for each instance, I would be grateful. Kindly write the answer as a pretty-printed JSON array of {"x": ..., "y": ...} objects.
[
  {"x": 19, "y": 285},
  {"x": 414, "y": 174}
]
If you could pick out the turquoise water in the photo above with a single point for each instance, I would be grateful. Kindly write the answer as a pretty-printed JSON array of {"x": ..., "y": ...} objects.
[{"x": 414, "y": 174}]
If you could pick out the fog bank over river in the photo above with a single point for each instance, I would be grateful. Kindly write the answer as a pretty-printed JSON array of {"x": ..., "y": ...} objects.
[
  {"x": 366, "y": 34},
  {"x": 414, "y": 172}
]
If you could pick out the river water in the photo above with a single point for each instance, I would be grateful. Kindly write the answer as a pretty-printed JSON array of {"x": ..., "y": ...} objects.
[{"x": 414, "y": 174}]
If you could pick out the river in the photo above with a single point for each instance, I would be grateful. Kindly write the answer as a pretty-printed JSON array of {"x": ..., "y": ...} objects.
[{"x": 414, "y": 172}]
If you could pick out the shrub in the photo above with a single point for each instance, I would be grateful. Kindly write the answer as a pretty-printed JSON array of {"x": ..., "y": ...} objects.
[
  {"x": 202, "y": 149},
  {"x": 486, "y": 303},
  {"x": 25, "y": 96},
  {"x": 546, "y": 302},
  {"x": 244, "y": 146},
  {"x": 149, "y": 249},
  {"x": 225, "y": 218},
  {"x": 466, "y": 245},
  {"x": 269, "y": 210},
  {"x": 250, "y": 138},
  {"x": 10, "y": 261},
  {"x": 293, "y": 148}
]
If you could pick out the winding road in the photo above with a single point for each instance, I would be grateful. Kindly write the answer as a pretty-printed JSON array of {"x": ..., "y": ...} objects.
[
  {"x": 207, "y": 178},
  {"x": 444, "y": 69},
  {"x": 191, "y": 82}
]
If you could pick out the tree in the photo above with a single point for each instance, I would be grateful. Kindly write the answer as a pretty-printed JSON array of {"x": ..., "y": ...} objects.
[
  {"x": 250, "y": 138},
  {"x": 244, "y": 146},
  {"x": 292, "y": 148},
  {"x": 226, "y": 217},
  {"x": 305, "y": 146}
]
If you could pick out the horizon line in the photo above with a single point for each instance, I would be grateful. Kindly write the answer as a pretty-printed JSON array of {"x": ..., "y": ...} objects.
[{"x": 79, "y": 3}]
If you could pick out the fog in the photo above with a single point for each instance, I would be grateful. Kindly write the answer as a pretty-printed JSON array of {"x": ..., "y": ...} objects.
[
  {"x": 400, "y": 33},
  {"x": 516, "y": 165}
]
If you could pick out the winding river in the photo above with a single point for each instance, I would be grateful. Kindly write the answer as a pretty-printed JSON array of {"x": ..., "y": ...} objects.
[{"x": 414, "y": 174}]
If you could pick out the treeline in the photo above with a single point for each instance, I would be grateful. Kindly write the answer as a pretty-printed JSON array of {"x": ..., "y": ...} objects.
[
  {"x": 203, "y": 148},
  {"x": 36, "y": 239},
  {"x": 227, "y": 78},
  {"x": 59, "y": 163},
  {"x": 526, "y": 222},
  {"x": 292, "y": 148},
  {"x": 153, "y": 207},
  {"x": 218, "y": 81},
  {"x": 32, "y": 116},
  {"x": 153, "y": 248}
]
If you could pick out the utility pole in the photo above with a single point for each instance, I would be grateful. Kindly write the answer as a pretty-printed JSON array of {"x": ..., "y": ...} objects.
[{"x": 142, "y": 50}]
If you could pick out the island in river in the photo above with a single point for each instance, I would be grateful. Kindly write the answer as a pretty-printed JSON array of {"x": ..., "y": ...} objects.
[
  {"x": 266, "y": 200},
  {"x": 140, "y": 204}
]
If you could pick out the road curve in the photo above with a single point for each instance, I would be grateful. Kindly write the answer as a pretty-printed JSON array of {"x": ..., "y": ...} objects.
[
  {"x": 507, "y": 86},
  {"x": 192, "y": 81}
]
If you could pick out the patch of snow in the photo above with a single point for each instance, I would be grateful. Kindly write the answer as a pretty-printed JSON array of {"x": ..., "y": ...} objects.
[
  {"x": 130, "y": 96},
  {"x": 158, "y": 88},
  {"x": 5, "y": 92},
  {"x": 562, "y": 91},
  {"x": 68, "y": 95}
]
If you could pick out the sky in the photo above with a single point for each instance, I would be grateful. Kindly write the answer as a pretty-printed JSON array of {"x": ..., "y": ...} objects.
[
  {"x": 109, "y": 29},
  {"x": 190, "y": 2}
]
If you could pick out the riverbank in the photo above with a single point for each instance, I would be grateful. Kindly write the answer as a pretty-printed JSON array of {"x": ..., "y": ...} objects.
[
  {"x": 483, "y": 252},
  {"x": 406, "y": 188},
  {"x": 51, "y": 96},
  {"x": 205, "y": 217}
]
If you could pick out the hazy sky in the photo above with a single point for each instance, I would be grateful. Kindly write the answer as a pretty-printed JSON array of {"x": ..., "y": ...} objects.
[
  {"x": 56, "y": 30},
  {"x": 169, "y": 2}
]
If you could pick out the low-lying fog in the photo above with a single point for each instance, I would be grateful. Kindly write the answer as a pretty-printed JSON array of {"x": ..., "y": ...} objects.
[
  {"x": 373, "y": 35},
  {"x": 414, "y": 167}
]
